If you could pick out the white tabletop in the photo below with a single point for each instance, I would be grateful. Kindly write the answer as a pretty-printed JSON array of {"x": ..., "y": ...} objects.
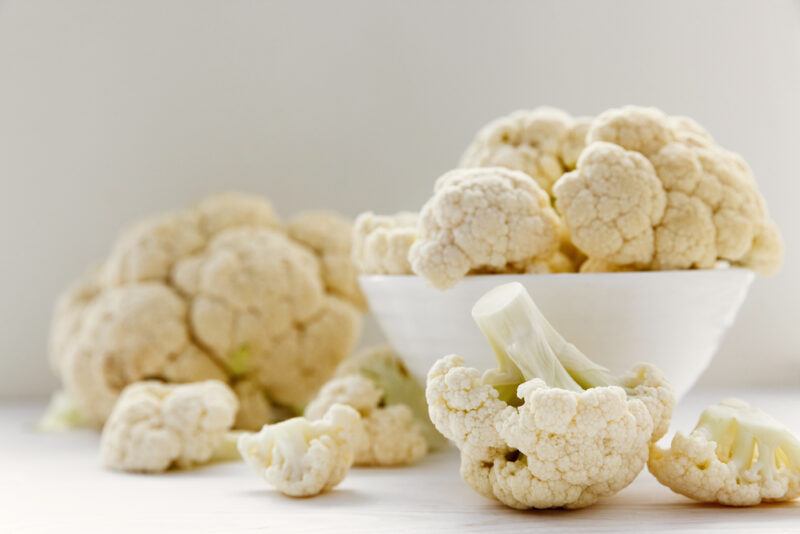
[{"x": 53, "y": 483}]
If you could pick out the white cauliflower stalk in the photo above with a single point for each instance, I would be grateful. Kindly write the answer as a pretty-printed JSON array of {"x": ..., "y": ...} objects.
[
  {"x": 303, "y": 458},
  {"x": 155, "y": 426},
  {"x": 548, "y": 428},
  {"x": 652, "y": 191},
  {"x": 483, "y": 220},
  {"x": 736, "y": 455},
  {"x": 381, "y": 242},
  {"x": 393, "y": 436},
  {"x": 543, "y": 143},
  {"x": 217, "y": 291}
]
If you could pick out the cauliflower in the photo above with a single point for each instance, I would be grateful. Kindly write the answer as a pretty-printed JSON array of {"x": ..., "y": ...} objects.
[
  {"x": 381, "y": 242},
  {"x": 217, "y": 291},
  {"x": 736, "y": 455},
  {"x": 548, "y": 428},
  {"x": 393, "y": 435},
  {"x": 302, "y": 458},
  {"x": 382, "y": 365},
  {"x": 656, "y": 192},
  {"x": 543, "y": 143},
  {"x": 483, "y": 220},
  {"x": 155, "y": 426},
  {"x": 330, "y": 237}
]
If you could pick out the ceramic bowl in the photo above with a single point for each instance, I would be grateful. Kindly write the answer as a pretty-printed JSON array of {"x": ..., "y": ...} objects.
[{"x": 672, "y": 319}]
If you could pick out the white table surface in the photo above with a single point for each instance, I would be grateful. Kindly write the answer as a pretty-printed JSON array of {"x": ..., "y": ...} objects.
[{"x": 53, "y": 483}]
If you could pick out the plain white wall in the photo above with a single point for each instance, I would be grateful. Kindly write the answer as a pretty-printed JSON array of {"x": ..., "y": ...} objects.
[{"x": 110, "y": 110}]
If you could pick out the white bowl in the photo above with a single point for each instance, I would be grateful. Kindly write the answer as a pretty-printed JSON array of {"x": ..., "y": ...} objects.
[{"x": 672, "y": 319}]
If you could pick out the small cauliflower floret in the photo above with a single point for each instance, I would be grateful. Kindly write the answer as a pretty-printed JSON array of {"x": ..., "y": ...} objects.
[
  {"x": 483, "y": 220},
  {"x": 330, "y": 237},
  {"x": 155, "y": 426},
  {"x": 736, "y": 455},
  {"x": 693, "y": 204},
  {"x": 302, "y": 458},
  {"x": 381, "y": 242},
  {"x": 548, "y": 427},
  {"x": 393, "y": 436},
  {"x": 384, "y": 367},
  {"x": 543, "y": 143}
]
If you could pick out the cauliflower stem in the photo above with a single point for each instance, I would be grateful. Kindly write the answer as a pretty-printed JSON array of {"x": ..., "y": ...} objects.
[{"x": 527, "y": 346}]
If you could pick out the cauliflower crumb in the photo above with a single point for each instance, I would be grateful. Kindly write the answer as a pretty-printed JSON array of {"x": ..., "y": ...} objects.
[
  {"x": 303, "y": 458},
  {"x": 155, "y": 426}
]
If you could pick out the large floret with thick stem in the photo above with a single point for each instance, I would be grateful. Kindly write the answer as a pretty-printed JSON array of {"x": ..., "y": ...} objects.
[
  {"x": 736, "y": 455},
  {"x": 303, "y": 458},
  {"x": 548, "y": 427},
  {"x": 543, "y": 143},
  {"x": 483, "y": 219},
  {"x": 155, "y": 426}
]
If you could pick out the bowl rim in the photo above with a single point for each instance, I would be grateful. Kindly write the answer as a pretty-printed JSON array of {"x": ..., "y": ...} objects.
[{"x": 736, "y": 272}]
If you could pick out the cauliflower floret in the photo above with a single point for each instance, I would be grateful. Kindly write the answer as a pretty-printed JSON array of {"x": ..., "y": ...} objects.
[
  {"x": 547, "y": 428},
  {"x": 155, "y": 426},
  {"x": 704, "y": 204},
  {"x": 131, "y": 333},
  {"x": 393, "y": 437},
  {"x": 381, "y": 242},
  {"x": 737, "y": 455},
  {"x": 482, "y": 219},
  {"x": 611, "y": 203},
  {"x": 330, "y": 237},
  {"x": 542, "y": 143},
  {"x": 233, "y": 210},
  {"x": 384, "y": 367},
  {"x": 218, "y": 291},
  {"x": 302, "y": 458},
  {"x": 258, "y": 304}
]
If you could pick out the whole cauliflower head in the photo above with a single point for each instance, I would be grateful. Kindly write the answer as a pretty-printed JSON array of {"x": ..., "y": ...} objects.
[
  {"x": 302, "y": 458},
  {"x": 483, "y": 220},
  {"x": 381, "y": 242},
  {"x": 548, "y": 428},
  {"x": 155, "y": 426},
  {"x": 393, "y": 436},
  {"x": 736, "y": 455},
  {"x": 219, "y": 290},
  {"x": 543, "y": 143},
  {"x": 654, "y": 191}
]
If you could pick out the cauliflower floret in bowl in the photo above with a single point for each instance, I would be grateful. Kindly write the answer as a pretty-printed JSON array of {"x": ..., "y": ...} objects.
[{"x": 672, "y": 319}]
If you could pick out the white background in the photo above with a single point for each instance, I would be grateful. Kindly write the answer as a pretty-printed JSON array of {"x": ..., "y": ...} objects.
[{"x": 110, "y": 110}]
